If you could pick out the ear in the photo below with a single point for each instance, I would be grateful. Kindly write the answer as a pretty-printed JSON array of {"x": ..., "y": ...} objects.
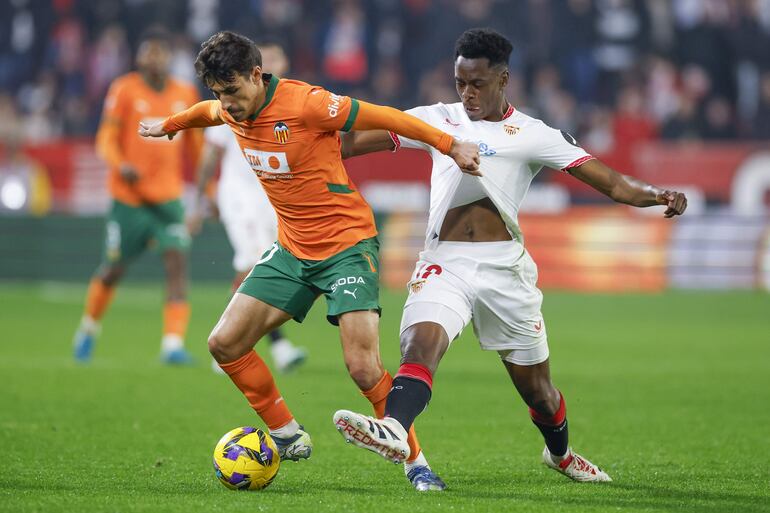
[
  {"x": 256, "y": 74},
  {"x": 504, "y": 76}
]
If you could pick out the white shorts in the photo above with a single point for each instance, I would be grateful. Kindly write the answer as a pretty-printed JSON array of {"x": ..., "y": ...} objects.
[
  {"x": 489, "y": 283},
  {"x": 251, "y": 234}
]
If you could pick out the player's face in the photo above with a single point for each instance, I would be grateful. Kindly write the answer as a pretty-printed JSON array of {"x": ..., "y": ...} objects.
[
  {"x": 153, "y": 57},
  {"x": 480, "y": 86},
  {"x": 239, "y": 97},
  {"x": 274, "y": 60}
]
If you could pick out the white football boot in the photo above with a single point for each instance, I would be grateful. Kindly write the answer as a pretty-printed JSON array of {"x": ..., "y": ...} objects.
[
  {"x": 576, "y": 467},
  {"x": 387, "y": 437},
  {"x": 294, "y": 448}
]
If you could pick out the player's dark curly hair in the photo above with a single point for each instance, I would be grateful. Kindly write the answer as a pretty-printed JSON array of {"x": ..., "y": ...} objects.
[
  {"x": 484, "y": 42},
  {"x": 225, "y": 55}
]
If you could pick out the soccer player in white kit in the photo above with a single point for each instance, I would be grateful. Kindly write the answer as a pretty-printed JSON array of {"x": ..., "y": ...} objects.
[
  {"x": 474, "y": 267},
  {"x": 245, "y": 211}
]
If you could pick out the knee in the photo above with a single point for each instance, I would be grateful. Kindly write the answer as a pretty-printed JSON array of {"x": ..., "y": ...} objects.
[
  {"x": 222, "y": 348},
  {"x": 111, "y": 275}
]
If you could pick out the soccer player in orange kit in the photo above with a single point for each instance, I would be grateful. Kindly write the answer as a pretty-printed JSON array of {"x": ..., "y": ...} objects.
[
  {"x": 327, "y": 241},
  {"x": 145, "y": 182}
]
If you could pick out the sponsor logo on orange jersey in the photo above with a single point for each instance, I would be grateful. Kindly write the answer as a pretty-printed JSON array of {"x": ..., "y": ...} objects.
[
  {"x": 281, "y": 131},
  {"x": 334, "y": 104},
  {"x": 268, "y": 164}
]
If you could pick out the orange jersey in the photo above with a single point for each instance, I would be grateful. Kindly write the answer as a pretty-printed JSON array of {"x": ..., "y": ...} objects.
[
  {"x": 158, "y": 162},
  {"x": 292, "y": 145}
]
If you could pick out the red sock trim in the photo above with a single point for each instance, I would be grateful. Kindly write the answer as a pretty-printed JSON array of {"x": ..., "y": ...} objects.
[
  {"x": 416, "y": 371},
  {"x": 558, "y": 417}
]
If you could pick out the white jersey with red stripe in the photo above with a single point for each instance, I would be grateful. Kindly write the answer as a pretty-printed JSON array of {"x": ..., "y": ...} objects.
[{"x": 512, "y": 152}]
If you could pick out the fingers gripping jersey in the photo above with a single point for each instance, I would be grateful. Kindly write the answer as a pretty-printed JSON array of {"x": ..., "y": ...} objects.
[
  {"x": 512, "y": 151},
  {"x": 292, "y": 145}
]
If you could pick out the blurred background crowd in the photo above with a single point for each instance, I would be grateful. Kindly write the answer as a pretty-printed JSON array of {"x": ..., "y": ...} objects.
[
  {"x": 614, "y": 72},
  {"x": 674, "y": 92}
]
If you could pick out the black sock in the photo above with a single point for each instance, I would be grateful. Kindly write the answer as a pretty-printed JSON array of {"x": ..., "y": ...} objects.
[
  {"x": 407, "y": 398},
  {"x": 275, "y": 336},
  {"x": 556, "y": 437}
]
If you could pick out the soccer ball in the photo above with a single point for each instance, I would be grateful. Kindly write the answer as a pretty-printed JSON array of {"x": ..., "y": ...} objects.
[{"x": 246, "y": 458}]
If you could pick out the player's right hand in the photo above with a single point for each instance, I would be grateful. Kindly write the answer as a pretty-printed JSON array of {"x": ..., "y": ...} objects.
[
  {"x": 466, "y": 156},
  {"x": 128, "y": 173},
  {"x": 156, "y": 130}
]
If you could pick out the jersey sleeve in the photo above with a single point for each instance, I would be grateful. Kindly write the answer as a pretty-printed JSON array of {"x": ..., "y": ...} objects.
[
  {"x": 114, "y": 110},
  {"x": 327, "y": 111},
  {"x": 200, "y": 115},
  {"x": 557, "y": 149},
  {"x": 113, "y": 116},
  {"x": 219, "y": 135},
  {"x": 422, "y": 113}
]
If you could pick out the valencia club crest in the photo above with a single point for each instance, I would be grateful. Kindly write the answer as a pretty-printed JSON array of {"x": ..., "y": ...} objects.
[{"x": 281, "y": 132}]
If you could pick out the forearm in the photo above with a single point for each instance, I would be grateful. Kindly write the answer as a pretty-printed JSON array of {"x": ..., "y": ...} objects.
[
  {"x": 208, "y": 165},
  {"x": 634, "y": 192},
  {"x": 107, "y": 145},
  {"x": 619, "y": 187},
  {"x": 373, "y": 117},
  {"x": 200, "y": 115},
  {"x": 369, "y": 141}
]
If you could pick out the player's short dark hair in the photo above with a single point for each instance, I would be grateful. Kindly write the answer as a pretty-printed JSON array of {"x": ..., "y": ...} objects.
[
  {"x": 156, "y": 33},
  {"x": 225, "y": 55},
  {"x": 486, "y": 43}
]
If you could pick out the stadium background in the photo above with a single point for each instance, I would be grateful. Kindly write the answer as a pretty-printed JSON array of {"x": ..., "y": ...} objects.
[{"x": 676, "y": 92}]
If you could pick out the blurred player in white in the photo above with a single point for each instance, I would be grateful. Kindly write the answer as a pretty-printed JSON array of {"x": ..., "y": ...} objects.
[
  {"x": 474, "y": 267},
  {"x": 245, "y": 211}
]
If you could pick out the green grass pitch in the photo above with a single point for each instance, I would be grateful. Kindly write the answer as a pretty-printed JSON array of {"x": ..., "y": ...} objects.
[{"x": 669, "y": 393}]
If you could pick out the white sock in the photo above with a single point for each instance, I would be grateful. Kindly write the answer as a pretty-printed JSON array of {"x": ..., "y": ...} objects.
[
  {"x": 419, "y": 461},
  {"x": 287, "y": 430},
  {"x": 89, "y": 325},
  {"x": 171, "y": 342}
]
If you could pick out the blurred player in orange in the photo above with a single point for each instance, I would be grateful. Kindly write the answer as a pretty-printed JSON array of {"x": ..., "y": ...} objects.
[
  {"x": 327, "y": 244},
  {"x": 145, "y": 182},
  {"x": 243, "y": 207}
]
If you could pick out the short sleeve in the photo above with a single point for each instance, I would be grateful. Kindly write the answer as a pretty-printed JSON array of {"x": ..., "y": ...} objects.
[
  {"x": 423, "y": 114},
  {"x": 219, "y": 135},
  {"x": 558, "y": 149},
  {"x": 324, "y": 110}
]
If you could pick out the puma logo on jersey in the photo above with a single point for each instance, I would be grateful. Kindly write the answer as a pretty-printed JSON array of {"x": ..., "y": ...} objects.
[
  {"x": 353, "y": 293},
  {"x": 267, "y": 162}
]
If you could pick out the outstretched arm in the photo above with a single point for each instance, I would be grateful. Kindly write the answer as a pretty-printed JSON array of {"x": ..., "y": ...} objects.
[
  {"x": 200, "y": 115},
  {"x": 374, "y": 117},
  {"x": 327, "y": 111},
  {"x": 367, "y": 141},
  {"x": 625, "y": 189}
]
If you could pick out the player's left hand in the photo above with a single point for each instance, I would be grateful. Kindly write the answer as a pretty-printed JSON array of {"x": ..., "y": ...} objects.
[
  {"x": 466, "y": 156},
  {"x": 156, "y": 130},
  {"x": 676, "y": 202}
]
